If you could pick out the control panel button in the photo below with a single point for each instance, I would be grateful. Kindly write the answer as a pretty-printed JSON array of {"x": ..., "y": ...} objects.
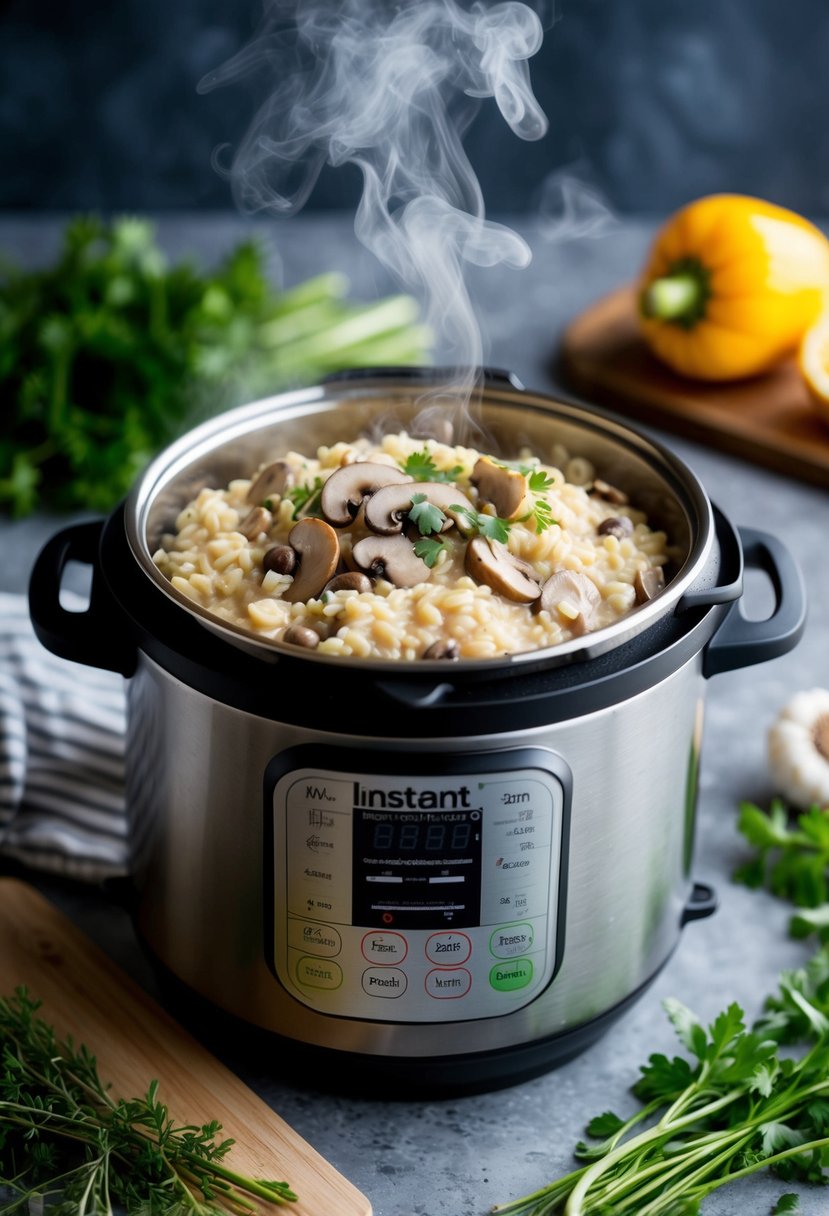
[
  {"x": 443, "y": 984},
  {"x": 385, "y": 981},
  {"x": 380, "y": 946},
  {"x": 318, "y": 973},
  {"x": 508, "y": 941},
  {"x": 509, "y": 977},
  {"x": 448, "y": 949},
  {"x": 322, "y": 940}
]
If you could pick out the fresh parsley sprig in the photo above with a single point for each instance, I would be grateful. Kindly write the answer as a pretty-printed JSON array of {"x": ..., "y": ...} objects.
[
  {"x": 67, "y": 1143},
  {"x": 425, "y": 515},
  {"x": 484, "y": 525},
  {"x": 539, "y": 484},
  {"x": 112, "y": 350},
  {"x": 428, "y": 519},
  {"x": 421, "y": 466},
  {"x": 791, "y": 859},
  {"x": 733, "y": 1105}
]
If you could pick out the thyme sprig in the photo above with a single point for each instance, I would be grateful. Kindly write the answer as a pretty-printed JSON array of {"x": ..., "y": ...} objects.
[{"x": 65, "y": 1141}]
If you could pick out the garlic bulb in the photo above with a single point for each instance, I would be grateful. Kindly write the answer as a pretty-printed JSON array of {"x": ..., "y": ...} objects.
[{"x": 798, "y": 746}]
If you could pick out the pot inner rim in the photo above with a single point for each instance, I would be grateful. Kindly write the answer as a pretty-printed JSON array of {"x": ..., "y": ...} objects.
[{"x": 234, "y": 443}]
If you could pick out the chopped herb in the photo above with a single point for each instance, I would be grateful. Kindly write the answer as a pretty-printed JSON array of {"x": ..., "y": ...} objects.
[
  {"x": 426, "y": 515},
  {"x": 422, "y": 467},
  {"x": 543, "y": 515},
  {"x": 539, "y": 482},
  {"x": 429, "y": 549},
  {"x": 485, "y": 525},
  {"x": 305, "y": 498},
  {"x": 789, "y": 1203},
  {"x": 68, "y": 1146}
]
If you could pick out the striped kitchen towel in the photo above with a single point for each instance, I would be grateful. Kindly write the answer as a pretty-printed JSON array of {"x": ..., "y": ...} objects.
[{"x": 61, "y": 755}]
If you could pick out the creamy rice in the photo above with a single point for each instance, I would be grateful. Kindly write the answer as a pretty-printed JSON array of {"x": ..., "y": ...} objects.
[{"x": 209, "y": 560}]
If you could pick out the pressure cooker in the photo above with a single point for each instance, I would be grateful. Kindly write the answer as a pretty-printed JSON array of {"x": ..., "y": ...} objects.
[{"x": 423, "y": 875}]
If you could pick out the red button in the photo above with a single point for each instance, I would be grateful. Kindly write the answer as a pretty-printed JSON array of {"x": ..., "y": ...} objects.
[
  {"x": 448, "y": 949},
  {"x": 383, "y": 947}
]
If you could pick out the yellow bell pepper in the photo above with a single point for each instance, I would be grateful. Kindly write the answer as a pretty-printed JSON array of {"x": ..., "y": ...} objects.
[{"x": 731, "y": 285}]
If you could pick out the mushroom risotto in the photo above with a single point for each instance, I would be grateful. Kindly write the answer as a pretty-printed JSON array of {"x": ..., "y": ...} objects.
[{"x": 413, "y": 549}]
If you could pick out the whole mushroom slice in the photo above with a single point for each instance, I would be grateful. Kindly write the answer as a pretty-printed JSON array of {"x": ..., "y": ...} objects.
[
  {"x": 275, "y": 478},
  {"x": 578, "y": 592},
  {"x": 388, "y": 507},
  {"x": 392, "y": 558},
  {"x": 490, "y": 562},
  {"x": 506, "y": 489},
  {"x": 317, "y": 547},
  {"x": 345, "y": 490}
]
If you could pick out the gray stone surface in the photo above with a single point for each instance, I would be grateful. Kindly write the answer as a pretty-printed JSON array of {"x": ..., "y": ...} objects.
[{"x": 456, "y": 1158}]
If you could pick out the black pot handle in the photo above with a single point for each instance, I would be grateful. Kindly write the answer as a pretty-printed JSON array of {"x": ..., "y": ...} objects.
[
  {"x": 703, "y": 903},
  {"x": 740, "y": 642},
  {"x": 95, "y": 636},
  {"x": 491, "y": 375}
]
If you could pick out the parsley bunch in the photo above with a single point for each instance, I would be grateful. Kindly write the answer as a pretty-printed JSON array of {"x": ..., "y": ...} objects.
[
  {"x": 733, "y": 1105},
  {"x": 792, "y": 860},
  {"x": 65, "y": 1142},
  {"x": 111, "y": 352}
]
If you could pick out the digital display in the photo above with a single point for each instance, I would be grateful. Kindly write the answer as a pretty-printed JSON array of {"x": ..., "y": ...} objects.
[
  {"x": 417, "y": 868},
  {"x": 391, "y": 837}
]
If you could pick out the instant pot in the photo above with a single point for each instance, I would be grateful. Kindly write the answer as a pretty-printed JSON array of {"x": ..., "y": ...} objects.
[{"x": 426, "y": 875}]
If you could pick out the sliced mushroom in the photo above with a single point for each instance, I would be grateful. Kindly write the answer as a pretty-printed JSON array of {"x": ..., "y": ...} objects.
[
  {"x": 387, "y": 508},
  {"x": 490, "y": 562},
  {"x": 616, "y": 525},
  {"x": 448, "y": 649},
  {"x": 648, "y": 583},
  {"x": 573, "y": 596},
  {"x": 301, "y": 635},
  {"x": 257, "y": 520},
  {"x": 318, "y": 551},
  {"x": 603, "y": 489},
  {"x": 390, "y": 557},
  {"x": 345, "y": 490},
  {"x": 281, "y": 559},
  {"x": 506, "y": 489},
  {"x": 352, "y": 581},
  {"x": 275, "y": 478}
]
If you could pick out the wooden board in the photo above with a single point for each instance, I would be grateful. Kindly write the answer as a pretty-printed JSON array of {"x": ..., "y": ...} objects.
[
  {"x": 84, "y": 994},
  {"x": 768, "y": 420}
]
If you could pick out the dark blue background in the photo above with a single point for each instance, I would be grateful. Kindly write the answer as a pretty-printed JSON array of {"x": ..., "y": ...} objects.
[{"x": 652, "y": 101}]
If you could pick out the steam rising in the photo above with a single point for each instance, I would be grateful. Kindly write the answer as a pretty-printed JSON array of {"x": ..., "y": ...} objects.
[{"x": 392, "y": 90}]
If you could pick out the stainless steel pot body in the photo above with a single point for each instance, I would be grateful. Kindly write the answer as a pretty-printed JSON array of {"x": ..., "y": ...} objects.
[{"x": 208, "y": 890}]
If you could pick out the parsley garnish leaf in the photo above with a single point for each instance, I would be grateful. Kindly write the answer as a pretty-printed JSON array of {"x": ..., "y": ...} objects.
[
  {"x": 425, "y": 515},
  {"x": 484, "y": 525},
  {"x": 428, "y": 549},
  {"x": 421, "y": 466}
]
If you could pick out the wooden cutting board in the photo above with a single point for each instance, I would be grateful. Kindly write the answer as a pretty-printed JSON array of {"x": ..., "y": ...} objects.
[
  {"x": 84, "y": 994},
  {"x": 768, "y": 420}
]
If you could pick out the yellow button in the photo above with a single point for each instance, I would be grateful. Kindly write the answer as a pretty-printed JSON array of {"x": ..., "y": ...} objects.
[{"x": 318, "y": 973}]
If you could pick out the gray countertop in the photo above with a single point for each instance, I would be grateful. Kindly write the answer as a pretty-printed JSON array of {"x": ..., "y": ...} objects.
[{"x": 457, "y": 1157}]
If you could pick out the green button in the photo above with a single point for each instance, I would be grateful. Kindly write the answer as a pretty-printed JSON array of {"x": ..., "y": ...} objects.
[
  {"x": 508, "y": 977},
  {"x": 318, "y": 973}
]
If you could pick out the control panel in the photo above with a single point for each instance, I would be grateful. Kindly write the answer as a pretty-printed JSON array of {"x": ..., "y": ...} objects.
[{"x": 417, "y": 898}]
